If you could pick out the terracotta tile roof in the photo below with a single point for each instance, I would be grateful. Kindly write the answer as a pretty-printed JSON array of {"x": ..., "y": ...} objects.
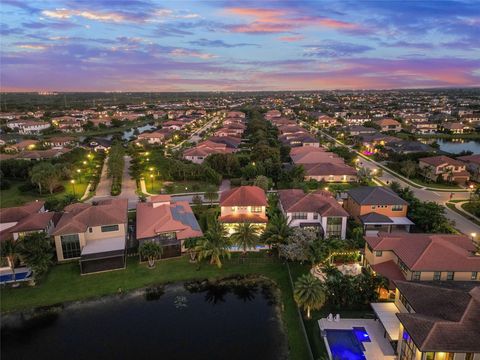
[
  {"x": 474, "y": 159},
  {"x": 391, "y": 271},
  {"x": 375, "y": 195},
  {"x": 326, "y": 169},
  {"x": 36, "y": 221},
  {"x": 240, "y": 218},
  {"x": 315, "y": 156},
  {"x": 321, "y": 202},
  {"x": 157, "y": 217},
  {"x": 429, "y": 252},
  {"x": 15, "y": 214},
  {"x": 445, "y": 318},
  {"x": 244, "y": 196},
  {"x": 440, "y": 160},
  {"x": 207, "y": 148},
  {"x": 77, "y": 218},
  {"x": 386, "y": 122}
]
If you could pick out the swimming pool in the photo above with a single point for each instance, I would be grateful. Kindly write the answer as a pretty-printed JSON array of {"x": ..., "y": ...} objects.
[
  {"x": 345, "y": 344},
  {"x": 20, "y": 275}
]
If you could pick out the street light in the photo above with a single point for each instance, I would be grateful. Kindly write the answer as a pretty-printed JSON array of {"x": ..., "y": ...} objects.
[
  {"x": 471, "y": 191},
  {"x": 73, "y": 186},
  {"x": 473, "y": 235},
  {"x": 151, "y": 182}
]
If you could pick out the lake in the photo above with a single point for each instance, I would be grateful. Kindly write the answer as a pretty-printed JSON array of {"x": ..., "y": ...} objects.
[
  {"x": 455, "y": 146},
  {"x": 128, "y": 134},
  {"x": 205, "y": 322}
]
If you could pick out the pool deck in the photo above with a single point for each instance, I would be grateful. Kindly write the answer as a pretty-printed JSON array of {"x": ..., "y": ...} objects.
[{"x": 378, "y": 349}]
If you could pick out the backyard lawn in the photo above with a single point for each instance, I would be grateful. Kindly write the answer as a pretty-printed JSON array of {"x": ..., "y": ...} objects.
[
  {"x": 64, "y": 283},
  {"x": 14, "y": 196}
]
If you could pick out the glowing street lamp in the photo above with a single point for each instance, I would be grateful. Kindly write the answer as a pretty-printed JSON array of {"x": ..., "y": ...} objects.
[
  {"x": 151, "y": 182},
  {"x": 473, "y": 235},
  {"x": 73, "y": 186}
]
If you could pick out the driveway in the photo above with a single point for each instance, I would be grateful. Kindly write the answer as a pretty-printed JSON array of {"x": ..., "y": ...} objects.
[
  {"x": 129, "y": 185},
  {"x": 105, "y": 184}
]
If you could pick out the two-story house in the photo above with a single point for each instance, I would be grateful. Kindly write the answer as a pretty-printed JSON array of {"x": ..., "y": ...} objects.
[
  {"x": 438, "y": 321},
  {"x": 318, "y": 210},
  {"x": 166, "y": 222},
  {"x": 472, "y": 163},
  {"x": 389, "y": 125},
  {"x": 198, "y": 153},
  {"x": 243, "y": 204},
  {"x": 378, "y": 208},
  {"x": 21, "y": 220},
  {"x": 422, "y": 257},
  {"x": 95, "y": 234},
  {"x": 444, "y": 167}
]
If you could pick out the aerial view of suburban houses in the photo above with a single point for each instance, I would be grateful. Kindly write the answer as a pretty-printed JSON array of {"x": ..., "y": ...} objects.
[{"x": 339, "y": 225}]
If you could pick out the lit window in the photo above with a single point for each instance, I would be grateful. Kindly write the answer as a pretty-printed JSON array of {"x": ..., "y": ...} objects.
[
  {"x": 256, "y": 209},
  {"x": 397, "y": 208}
]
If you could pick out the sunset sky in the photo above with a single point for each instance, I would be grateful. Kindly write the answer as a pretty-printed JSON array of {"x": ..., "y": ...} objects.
[{"x": 118, "y": 45}]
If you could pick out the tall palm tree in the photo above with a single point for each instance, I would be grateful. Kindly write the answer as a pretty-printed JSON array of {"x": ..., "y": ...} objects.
[
  {"x": 214, "y": 245},
  {"x": 245, "y": 236},
  {"x": 10, "y": 250},
  {"x": 277, "y": 231},
  {"x": 309, "y": 293}
]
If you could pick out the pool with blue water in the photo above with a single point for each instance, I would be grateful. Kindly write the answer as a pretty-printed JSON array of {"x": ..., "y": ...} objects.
[{"x": 347, "y": 344}]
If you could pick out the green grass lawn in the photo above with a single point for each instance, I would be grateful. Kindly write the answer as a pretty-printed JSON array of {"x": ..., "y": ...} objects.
[
  {"x": 435, "y": 185},
  {"x": 64, "y": 283},
  {"x": 14, "y": 196},
  {"x": 176, "y": 187}
]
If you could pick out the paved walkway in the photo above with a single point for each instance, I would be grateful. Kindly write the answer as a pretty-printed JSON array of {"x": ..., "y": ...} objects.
[
  {"x": 129, "y": 185},
  {"x": 105, "y": 184}
]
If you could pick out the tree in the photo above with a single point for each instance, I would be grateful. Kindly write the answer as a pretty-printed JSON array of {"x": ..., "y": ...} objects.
[
  {"x": 277, "y": 230},
  {"x": 211, "y": 194},
  {"x": 262, "y": 182},
  {"x": 36, "y": 252},
  {"x": 364, "y": 175},
  {"x": 10, "y": 251},
  {"x": 430, "y": 217},
  {"x": 245, "y": 236},
  {"x": 298, "y": 246},
  {"x": 151, "y": 251},
  {"x": 408, "y": 168},
  {"x": 309, "y": 293},
  {"x": 45, "y": 176},
  {"x": 190, "y": 245},
  {"x": 197, "y": 201},
  {"x": 214, "y": 245}
]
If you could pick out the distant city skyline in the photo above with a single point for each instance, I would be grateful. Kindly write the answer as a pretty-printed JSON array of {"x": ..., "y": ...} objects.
[{"x": 108, "y": 45}]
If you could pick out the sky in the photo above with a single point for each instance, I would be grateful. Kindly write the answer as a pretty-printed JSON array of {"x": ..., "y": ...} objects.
[{"x": 146, "y": 45}]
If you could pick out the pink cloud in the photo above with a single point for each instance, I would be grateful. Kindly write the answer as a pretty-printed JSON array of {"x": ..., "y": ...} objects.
[{"x": 291, "y": 38}]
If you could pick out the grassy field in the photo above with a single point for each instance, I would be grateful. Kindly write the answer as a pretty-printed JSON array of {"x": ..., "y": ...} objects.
[
  {"x": 14, "y": 196},
  {"x": 64, "y": 284}
]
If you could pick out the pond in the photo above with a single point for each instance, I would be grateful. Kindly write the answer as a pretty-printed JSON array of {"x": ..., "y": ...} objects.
[
  {"x": 455, "y": 146},
  {"x": 207, "y": 321},
  {"x": 128, "y": 134}
]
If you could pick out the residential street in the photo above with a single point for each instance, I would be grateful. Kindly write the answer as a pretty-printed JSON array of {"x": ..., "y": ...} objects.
[
  {"x": 105, "y": 184},
  {"x": 129, "y": 185}
]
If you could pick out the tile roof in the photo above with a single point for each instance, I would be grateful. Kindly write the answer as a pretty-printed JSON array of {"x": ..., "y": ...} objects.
[
  {"x": 321, "y": 202},
  {"x": 375, "y": 195},
  {"x": 475, "y": 159},
  {"x": 391, "y": 271},
  {"x": 326, "y": 169},
  {"x": 429, "y": 252},
  {"x": 244, "y": 196},
  {"x": 77, "y": 218},
  {"x": 15, "y": 214},
  {"x": 440, "y": 160},
  {"x": 36, "y": 221},
  {"x": 157, "y": 217},
  {"x": 385, "y": 122},
  {"x": 445, "y": 318}
]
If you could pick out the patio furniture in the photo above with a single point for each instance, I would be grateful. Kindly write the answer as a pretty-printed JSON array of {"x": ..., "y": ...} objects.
[
  {"x": 330, "y": 317},
  {"x": 336, "y": 318}
]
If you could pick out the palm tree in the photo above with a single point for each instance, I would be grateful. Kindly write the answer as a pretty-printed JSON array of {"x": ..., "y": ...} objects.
[
  {"x": 309, "y": 293},
  {"x": 245, "y": 236},
  {"x": 211, "y": 194},
  {"x": 214, "y": 245},
  {"x": 10, "y": 251},
  {"x": 190, "y": 245},
  {"x": 36, "y": 252},
  {"x": 278, "y": 230},
  {"x": 152, "y": 251}
]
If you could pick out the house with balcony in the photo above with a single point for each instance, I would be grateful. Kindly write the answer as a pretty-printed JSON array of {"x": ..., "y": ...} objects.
[
  {"x": 422, "y": 257},
  {"x": 388, "y": 125},
  {"x": 318, "y": 210},
  {"x": 243, "y": 204},
  {"x": 378, "y": 208},
  {"x": 445, "y": 168},
  {"x": 94, "y": 234},
  {"x": 167, "y": 223}
]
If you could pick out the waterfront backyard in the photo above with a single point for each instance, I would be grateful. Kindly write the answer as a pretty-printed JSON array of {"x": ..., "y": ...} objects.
[{"x": 64, "y": 284}]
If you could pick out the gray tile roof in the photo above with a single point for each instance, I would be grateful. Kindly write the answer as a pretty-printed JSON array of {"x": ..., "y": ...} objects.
[{"x": 375, "y": 195}]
